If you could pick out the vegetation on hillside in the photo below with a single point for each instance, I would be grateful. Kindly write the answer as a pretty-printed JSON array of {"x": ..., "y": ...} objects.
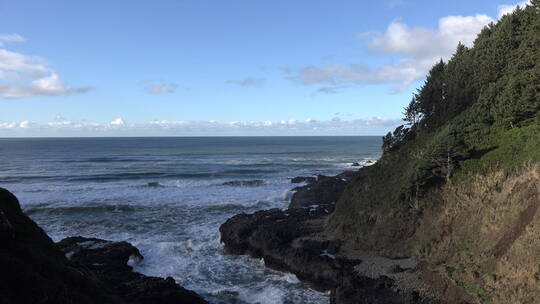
[{"x": 457, "y": 181}]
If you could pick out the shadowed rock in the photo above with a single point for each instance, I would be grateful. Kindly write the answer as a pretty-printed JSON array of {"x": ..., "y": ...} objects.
[
  {"x": 322, "y": 190},
  {"x": 303, "y": 179},
  {"x": 35, "y": 270},
  {"x": 109, "y": 261},
  {"x": 290, "y": 240}
]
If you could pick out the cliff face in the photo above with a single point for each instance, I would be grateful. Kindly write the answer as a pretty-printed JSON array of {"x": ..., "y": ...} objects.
[{"x": 459, "y": 187}]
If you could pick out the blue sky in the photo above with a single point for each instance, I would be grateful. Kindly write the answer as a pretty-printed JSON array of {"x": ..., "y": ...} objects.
[{"x": 113, "y": 68}]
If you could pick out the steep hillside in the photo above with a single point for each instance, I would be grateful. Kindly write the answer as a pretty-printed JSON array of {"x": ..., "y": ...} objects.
[{"x": 458, "y": 187}]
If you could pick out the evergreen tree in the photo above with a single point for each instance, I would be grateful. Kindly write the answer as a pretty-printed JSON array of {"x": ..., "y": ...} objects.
[
  {"x": 411, "y": 112},
  {"x": 431, "y": 95}
]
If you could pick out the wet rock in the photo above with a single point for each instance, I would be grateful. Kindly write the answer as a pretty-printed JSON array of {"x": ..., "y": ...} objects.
[
  {"x": 303, "y": 179},
  {"x": 100, "y": 255},
  {"x": 275, "y": 235},
  {"x": 109, "y": 262},
  {"x": 355, "y": 164},
  {"x": 291, "y": 240},
  {"x": 324, "y": 190},
  {"x": 35, "y": 270}
]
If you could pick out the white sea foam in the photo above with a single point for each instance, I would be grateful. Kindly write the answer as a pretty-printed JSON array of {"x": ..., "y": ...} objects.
[{"x": 166, "y": 197}]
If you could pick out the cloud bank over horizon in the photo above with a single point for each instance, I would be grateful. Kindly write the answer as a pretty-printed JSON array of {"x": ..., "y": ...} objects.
[{"x": 62, "y": 127}]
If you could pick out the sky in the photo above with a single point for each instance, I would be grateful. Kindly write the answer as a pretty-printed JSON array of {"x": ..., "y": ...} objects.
[{"x": 219, "y": 68}]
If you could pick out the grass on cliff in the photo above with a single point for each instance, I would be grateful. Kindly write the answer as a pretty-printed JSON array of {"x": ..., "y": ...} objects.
[{"x": 485, "y": 234}]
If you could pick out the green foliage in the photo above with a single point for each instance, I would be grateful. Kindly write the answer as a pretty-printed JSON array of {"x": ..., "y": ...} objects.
[
  {"x": 479, "y": 110},
  {"x": 499, "y": 76},
  {"x": 455, "y": 179},
  {"x": 393, "y": 140}
]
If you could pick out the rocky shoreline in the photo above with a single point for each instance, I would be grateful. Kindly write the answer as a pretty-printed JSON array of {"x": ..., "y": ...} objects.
[
  {"x": 74, "y": 270},
  {"x": 293, "y": 240},
  {"x": 90, "y": 270}
]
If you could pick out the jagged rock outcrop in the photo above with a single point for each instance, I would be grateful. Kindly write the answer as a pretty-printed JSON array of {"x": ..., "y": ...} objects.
[
  {"x": 35, "y": 270},
  {"x": 320, "y": 190},
  {"x": 108, "y": 261},
  {"x": 290, "y": 240}
]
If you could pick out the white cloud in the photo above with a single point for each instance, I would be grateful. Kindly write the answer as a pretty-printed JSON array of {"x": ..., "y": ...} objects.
[
  {"x": 118, "y": 127},
  {"x": 8, "y": 125},
  {"x": 50, "y": 85},
  {"x": 401, "y": 74},
  {"x": 10, "y": 38},
  {"x": 28, "y": 76},
  {"x": 509, "y": 8},
  {"x": 419, "y": 42},
  {"x": 161, "y": 88},
  {"x": 117, "y": 122},
  {"x": 248, "y": 82},
  {"x": 19, "y": 63},
  {"x": 411, "y": 51},
  {"x": 168, "y": 123}
]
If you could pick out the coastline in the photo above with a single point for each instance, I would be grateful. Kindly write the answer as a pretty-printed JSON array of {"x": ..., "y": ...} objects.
[
  {"x": 171, "y": 206},
  {"x": 293, "y": 240},
  {"x": 289, "y": 240}
]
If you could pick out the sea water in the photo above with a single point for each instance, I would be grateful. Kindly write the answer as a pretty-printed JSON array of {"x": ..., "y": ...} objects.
[{"x": 168, "y": 197}]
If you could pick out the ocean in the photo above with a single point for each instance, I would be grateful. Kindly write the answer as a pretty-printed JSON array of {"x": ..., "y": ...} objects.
[{"x": 168, "y": 197}]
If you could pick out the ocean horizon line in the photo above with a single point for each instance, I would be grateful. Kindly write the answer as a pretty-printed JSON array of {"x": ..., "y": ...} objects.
[{"x": 186, "y": 136}]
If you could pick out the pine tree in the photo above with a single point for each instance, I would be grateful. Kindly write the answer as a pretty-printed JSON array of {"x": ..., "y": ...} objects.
[
  {"x": 432, "y": 95},
  {"x": 411, "y": 112}
]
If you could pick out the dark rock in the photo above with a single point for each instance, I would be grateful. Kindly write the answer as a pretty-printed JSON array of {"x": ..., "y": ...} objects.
[
  {"x": 108, "y": 261},
  {"x": 355, "y": 164},
  {"x": 325, "y": 190},
  {"x": 291, "y": 241},
  {"x": 276, "y": 236},
  {"x": 348, "y": 175},
  {"x": 303, "y": 179},
  {"x": 362, "y": 290},
  {"x": 35, "y": 270},
  {"x": 245, "y": 183},
  {"x": 397, "y": 269}
]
